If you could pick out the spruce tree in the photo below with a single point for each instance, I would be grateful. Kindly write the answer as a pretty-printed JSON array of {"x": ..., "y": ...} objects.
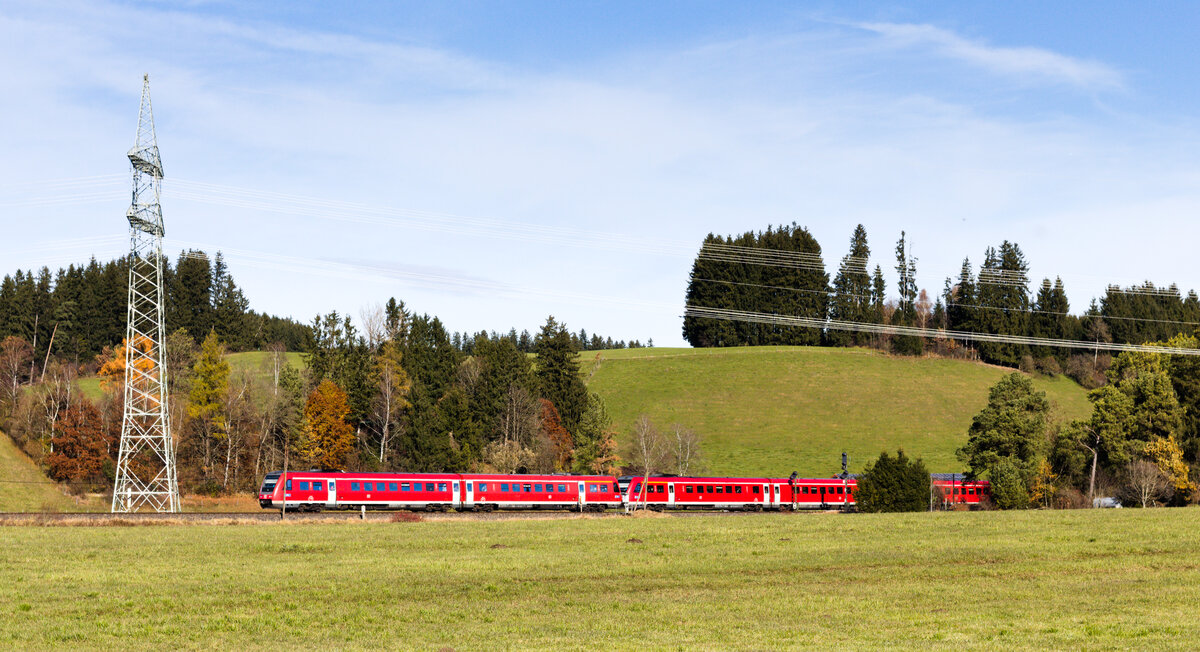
[
  {"x": 851, "y": 300},
  {"x": 557, "y": 373}
]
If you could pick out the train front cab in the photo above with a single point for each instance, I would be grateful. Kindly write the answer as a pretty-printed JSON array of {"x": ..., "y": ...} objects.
[{"x": 301, "y": 491}]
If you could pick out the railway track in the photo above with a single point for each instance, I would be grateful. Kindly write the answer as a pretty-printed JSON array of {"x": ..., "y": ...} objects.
[{"x": 149, "y": 518}]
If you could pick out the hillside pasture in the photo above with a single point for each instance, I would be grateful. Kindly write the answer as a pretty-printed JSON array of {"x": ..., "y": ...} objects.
[{"x": 774, "y": 410}]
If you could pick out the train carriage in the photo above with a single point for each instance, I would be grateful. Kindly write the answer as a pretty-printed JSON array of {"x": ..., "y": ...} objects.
[
  {"x": 674, "y": 492},
  {"x": 581, "y": 492}
]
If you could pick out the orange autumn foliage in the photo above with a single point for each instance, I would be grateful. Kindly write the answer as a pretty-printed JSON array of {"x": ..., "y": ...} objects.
[
  {"x": 329, "y": 439},
  {"x": 112, "y": 367}
]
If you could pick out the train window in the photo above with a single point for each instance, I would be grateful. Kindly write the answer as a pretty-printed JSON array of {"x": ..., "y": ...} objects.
[
  {"x": 527, "y": 489},
  {"x": 737, "y": 490},
  {"x": 503, "y": 486},
  {"x": 537, "y": 487},
  {"x": 316, "y": 486},
  {"x": 482, "y": 486},
  {"x": 719, "y": 488},
  {"x": 757, "y": 489},
  {"x": 699, "y": 488},
  {"x": 441, "y": 486},
  {"x": 562, "y": 488},
  {"x": 687, "y": 489},
  {"x": 392, "y": 486},
  {"x": 593, "y": 488},
  {"x": 728, "y": 489},
  {"x": 353, "y": 486},
  {"x": 288, "y": 485},
  {"x": 303, "y": 486},
  {"x": 616, "y": 488},
  {"x": 636, "y": 488},
  {"x": 403, "y": 486}
]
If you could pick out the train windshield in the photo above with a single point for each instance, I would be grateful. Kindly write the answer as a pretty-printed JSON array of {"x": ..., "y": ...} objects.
[{"x": 269, "y": 482}]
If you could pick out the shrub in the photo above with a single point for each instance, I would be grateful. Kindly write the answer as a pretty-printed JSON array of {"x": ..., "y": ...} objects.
[
  {"x": 1048, "y": 365},
  {"x": 893, "y": 484}
]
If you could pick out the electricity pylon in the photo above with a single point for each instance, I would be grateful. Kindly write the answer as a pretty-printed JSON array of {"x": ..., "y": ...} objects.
[{"x": 146, "y": 460}]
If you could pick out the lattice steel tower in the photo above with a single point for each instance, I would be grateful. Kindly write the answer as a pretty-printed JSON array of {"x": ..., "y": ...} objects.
[{"x": 146, "y": 461}]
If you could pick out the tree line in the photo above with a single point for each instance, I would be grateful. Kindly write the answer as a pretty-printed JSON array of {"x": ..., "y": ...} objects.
[
  {"x": 77, "y": 311},
  {"x": 395, "y": 394},
  {"x": 781, "y": 271},
  {"x": 1141, "y": 442}
]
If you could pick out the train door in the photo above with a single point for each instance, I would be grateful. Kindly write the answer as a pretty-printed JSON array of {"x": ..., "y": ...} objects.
[
  {"x": 671, "y": 494},
  {"x": 766, "y": 495},
  {"x": 454, "y": 496},
  {"x": 469, "y": 496},
  {"x": 331, "y": 499},
  {"x": 582, "y": 498}
]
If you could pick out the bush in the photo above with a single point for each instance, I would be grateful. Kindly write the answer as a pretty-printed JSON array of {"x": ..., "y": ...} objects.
[
  {"x": 1008, "y": 487},
  {"x": 1081, "y": 368},
  {"x": 1027, "y": 365},
  {"x": 1048, "y": 365},
  {"x": 893, "y": 484}
]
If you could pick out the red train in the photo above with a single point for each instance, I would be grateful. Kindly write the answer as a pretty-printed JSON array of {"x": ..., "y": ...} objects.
[{"x": 318, "y": 490}]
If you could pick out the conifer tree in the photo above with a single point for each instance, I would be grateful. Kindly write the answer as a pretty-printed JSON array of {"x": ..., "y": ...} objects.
[
  {"x": 851, "y": 299},
  {"x": 893, "y": 484},
  {"x": 557, "y": 373}
]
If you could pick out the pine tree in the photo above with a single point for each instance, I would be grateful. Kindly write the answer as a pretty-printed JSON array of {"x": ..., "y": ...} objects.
[
  {"x": 1011, "y": 428},
  {"x": 557, "y": 373},
  {"x": 852, "y": 291},
  {"x": 906, "y": 310},
  {"x": 893, "y": 484}
]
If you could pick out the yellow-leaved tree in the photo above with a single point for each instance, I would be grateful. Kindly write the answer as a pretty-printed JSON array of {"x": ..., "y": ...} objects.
[
  {"x": 329, "y": 439},
  {"x": 1166, "y": 454}
]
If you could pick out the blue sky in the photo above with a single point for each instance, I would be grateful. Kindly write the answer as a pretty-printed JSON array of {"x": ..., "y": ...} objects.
[{"x": 493, "y": 163}]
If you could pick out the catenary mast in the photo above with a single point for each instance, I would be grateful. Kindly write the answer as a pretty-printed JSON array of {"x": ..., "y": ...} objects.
[{"x": 146, "y": 460}]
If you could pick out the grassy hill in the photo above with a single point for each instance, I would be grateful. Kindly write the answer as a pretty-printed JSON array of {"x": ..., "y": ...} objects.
[
  {"x": 774, "y": 410},
  {"x": 23, "y": 487}
]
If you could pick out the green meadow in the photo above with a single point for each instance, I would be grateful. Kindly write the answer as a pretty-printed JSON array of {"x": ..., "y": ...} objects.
[{"x": 979, "y": 580}]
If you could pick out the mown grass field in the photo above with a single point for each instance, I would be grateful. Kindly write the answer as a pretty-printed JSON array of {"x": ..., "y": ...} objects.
[
  {"x": 774, "y": 410},
  {"x": 984, "y": 580}
]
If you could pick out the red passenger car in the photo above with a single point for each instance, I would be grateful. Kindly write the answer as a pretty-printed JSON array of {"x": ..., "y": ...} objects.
[{"x": 580, "y": 492}]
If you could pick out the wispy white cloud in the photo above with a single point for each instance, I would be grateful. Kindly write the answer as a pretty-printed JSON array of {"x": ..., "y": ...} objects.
[{"x": 1023, "y": 62}]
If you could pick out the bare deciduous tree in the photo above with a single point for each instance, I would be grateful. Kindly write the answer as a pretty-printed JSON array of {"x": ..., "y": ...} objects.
[
  {"x": 649, "y": 450},
  {"x": 14, "y": 353},
  {"x": 1146, "y": 483},
  {"x": 374, "y": 325},
  {"x": 521, "y": 421},
  {"x": 392, "y": 398},
  {"x": 507, "y": 456},
  {"x": 686, "y": 456}
]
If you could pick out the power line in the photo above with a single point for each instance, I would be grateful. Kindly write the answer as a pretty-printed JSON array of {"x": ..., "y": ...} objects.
[{"x": 915, "y": 331}]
